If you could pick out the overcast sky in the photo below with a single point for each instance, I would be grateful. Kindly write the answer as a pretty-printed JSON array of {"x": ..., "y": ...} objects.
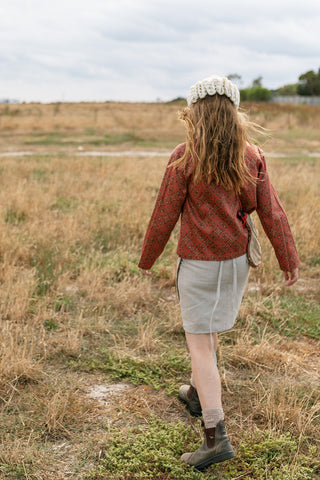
[{"x": 143, "y": 50}]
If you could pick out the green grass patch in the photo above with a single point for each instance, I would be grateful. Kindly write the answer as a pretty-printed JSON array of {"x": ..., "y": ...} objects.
[
  {"x": 40, "y": 175},
  {"x": 154, "y": 451},
  {"x": 160, "y": 143},
  {"x": 90, "y": 131},
  {"x": 305, "y": 135},
  {"x": 314, "y": 261},
  {"x": 50, "y": 324},
  {"x": 65, "y": 204},
  {"x": 106, "y": 239},
  {"x": 295, "y": 316},
  {"x": 148, "y": 452},
  {"x": 119, "y": 264},
  {"x": 44, "y": 262},
  {"x": 16, "y": 472},
  {"x": 64, "y": 303},
  {"x": 44, "y": 139},
  {"x": 265, "y": 455},
  {"x": 15, "y": 216},
  {"x": 114, "y": 139},
  {"x": 297, "y": 159},
  {"x": 166, "y": 370},
  {"x": 91, "y": 137},
  {"x": 57, "y": 138}
]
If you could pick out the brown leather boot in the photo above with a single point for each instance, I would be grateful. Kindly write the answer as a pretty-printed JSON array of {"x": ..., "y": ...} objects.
[
  {"x": 215, "y": 448},
  {"x": 188, "y": 395}
]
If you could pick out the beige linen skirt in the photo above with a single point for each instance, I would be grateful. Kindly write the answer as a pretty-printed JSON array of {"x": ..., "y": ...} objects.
[{"x": 210, "y": 293}]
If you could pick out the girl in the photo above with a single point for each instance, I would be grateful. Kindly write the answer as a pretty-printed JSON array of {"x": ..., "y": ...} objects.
[{"x": 209, "y": 179}]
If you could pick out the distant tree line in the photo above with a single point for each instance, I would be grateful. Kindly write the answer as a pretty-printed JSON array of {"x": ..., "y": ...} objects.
[
  {"x": 256, "y": 93},
  {"x": 308, "y": 85}
]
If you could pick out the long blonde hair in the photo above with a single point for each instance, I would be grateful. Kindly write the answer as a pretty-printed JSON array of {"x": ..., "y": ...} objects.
[{"x": 217, "y": 137}]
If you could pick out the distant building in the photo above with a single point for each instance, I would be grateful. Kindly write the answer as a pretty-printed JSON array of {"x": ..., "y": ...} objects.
[{"x": 307, "y": 100}]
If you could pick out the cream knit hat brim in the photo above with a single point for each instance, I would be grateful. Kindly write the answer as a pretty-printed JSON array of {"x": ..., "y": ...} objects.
[{"x": 211, "y": 86}]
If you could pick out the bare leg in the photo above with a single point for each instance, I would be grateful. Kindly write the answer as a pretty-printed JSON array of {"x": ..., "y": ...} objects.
[
  {"x": 204, "y": 369},
  {"x": 216, "y": 445}
]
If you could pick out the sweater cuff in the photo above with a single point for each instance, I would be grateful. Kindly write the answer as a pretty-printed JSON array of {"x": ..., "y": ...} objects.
[{"x": 145, "y": 266}]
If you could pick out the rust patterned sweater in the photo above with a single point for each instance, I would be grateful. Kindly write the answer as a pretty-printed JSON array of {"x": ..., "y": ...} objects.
[{"x": 210, "y": 228}]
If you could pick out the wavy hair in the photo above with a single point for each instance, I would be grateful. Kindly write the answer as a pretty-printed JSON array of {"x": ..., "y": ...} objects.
[{"x": 217, "y": 137}]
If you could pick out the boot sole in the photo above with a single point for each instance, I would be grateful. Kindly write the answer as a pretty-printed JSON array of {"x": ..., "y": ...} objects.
[
  {"x": 194, "y": 413},
  {"x": 216, "y": 459}
]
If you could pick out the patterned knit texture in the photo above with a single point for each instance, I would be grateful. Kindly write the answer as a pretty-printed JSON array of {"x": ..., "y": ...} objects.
[
  {"x": 210, "y": 228},
  {"x": 214, "y": 85},
  {"x": 212, "y": 416}
]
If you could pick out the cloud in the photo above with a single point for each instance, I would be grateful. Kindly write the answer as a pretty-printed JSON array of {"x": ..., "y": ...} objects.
[{"x": 142, "y": 50}]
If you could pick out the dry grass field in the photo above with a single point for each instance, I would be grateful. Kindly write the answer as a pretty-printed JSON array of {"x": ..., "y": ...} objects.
[{"x": 92, "y": 353}]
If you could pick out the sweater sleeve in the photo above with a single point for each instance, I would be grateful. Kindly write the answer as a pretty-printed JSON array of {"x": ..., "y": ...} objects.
[
  {"x": 273, "y": 218},
  {"x": 169, "y": 203}
]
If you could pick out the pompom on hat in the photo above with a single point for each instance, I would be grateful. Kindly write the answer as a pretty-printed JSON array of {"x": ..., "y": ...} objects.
[{"x": 211, "y": 86}]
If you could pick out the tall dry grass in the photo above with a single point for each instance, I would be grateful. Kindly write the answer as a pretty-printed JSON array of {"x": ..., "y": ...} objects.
[{"x": 63, "y": 125}]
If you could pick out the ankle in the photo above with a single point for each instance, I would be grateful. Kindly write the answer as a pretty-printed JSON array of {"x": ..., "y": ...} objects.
[{"x": 211, "y": 417}]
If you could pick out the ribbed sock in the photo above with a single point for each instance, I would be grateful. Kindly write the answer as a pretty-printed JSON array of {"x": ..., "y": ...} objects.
[{"x": 212, "y": 416}]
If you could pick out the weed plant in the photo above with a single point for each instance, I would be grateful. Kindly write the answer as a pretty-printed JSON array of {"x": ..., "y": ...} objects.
[{"x": 153, "y": 452}]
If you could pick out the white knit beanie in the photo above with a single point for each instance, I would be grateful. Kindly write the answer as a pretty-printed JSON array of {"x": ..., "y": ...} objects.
[{"x": 213, "y": 85}]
